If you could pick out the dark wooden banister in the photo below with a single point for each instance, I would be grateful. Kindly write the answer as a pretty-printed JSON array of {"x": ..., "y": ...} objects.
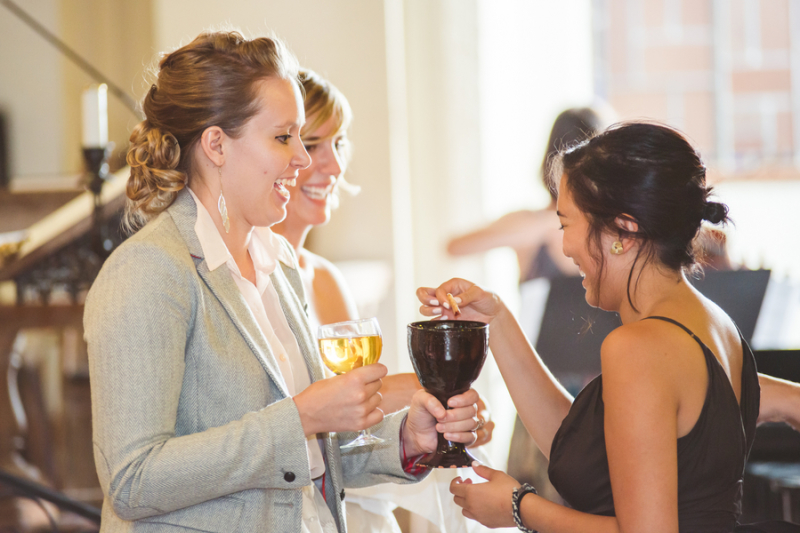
[{"x": 29, "y": 488}]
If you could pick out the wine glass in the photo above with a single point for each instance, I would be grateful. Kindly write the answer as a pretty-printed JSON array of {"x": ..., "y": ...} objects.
[{"x": 348, "y": 345}]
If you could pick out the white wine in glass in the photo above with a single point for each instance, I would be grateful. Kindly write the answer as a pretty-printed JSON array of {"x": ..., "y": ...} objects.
[{"x": 348, "y": 345}]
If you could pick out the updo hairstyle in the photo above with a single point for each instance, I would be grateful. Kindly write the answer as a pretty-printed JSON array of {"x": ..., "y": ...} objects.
[
  {"x": 212, "y": 81},
  {"x": 648, "y": 173},
  {"x": 322, "y": 101},
  {"x": 571, "y": 127}
]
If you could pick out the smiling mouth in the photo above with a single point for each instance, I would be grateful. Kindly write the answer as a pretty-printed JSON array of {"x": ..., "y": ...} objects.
[
  {"x": 280, "y": 186},
  {"x": 317, "y": 193}
]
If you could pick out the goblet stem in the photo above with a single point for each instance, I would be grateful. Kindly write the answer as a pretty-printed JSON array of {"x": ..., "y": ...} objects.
[{"x": 448, "y": 454}]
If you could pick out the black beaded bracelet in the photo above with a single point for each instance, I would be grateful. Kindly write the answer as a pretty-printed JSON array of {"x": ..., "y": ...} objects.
[{"x": 516, "y": 498}]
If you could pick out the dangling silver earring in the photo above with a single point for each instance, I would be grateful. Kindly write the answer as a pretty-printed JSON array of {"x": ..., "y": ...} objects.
[
  {"x": 616, "y": 248},
  {"x": 223, "y": 210}
]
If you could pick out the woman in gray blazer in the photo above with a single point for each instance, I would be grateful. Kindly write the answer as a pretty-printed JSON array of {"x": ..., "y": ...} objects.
[{"x": 210, "y": 411}]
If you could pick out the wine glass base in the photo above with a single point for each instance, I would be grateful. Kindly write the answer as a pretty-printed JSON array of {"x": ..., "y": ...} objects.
[{"x": 362, "y": 440}]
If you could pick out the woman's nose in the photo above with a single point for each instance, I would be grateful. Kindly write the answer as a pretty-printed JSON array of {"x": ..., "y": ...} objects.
[
  {"x": 329, "y": 162},
  {"x": 301, "y": 158}
]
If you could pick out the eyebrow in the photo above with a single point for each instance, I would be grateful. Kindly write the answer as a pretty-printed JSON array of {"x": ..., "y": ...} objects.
[
  {"x": 289, "y": 124},
  {"x": 317, "y": 138}
]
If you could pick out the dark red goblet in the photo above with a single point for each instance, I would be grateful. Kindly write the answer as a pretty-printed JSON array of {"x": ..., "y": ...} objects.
[{"x": 447, "y": 356}]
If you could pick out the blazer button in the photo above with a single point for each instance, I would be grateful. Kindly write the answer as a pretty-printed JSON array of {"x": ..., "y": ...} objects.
[
  {"x": 289, "y": 477},
  {"x": 341, "y": 495}
]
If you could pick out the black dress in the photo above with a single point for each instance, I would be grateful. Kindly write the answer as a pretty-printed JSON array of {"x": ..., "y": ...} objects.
[{"x": 711, "y": 457}]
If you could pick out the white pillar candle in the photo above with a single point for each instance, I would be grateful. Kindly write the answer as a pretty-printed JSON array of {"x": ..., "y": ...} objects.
[{"x": 95, "y": 116}]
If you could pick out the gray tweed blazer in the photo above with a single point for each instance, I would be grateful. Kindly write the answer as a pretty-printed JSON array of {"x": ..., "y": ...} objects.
[{"x": 193, "y": 429}]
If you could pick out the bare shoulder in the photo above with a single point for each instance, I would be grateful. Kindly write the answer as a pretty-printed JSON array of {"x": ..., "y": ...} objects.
[
  {"x": 326, "y": 275},
  {"x": 721, "y": 332},
  {"x": 332, "y": 297},
  {"x": 645, "y": 351},
  {"x": 646, "y": 376}
]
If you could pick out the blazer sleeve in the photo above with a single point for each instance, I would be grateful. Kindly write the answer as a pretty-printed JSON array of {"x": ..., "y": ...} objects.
[
  {"x": 138, "y": 317},
  {"x": 370, "y": 465}
]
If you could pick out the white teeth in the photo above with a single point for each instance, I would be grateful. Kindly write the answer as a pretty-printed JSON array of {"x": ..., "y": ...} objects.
[
  {"x": 281, "y": 189},
  {"x": 583, "y": 274},
  {"x": 316, "y": 193}
]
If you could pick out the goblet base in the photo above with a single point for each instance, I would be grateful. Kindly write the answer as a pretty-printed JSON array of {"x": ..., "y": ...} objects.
[{"x": 447, "y": 455}]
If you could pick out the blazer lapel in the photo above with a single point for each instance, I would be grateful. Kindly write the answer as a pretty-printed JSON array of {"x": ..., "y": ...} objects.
[
  {"x": 227, "y": 293},
  {"x": 222, "y": 286},
  {"x": 296, "y": 317}
]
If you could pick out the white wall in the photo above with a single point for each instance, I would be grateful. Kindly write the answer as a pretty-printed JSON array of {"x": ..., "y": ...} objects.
[
  {"x": 30, "y": 92},
  {"x": 444, "y": 121},
  {"x": 535, "y": 60},
  {"x": 41, "y": 90}
]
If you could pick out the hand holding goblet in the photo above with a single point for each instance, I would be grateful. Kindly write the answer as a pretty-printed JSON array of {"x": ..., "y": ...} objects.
[{"x": 427, "y": 419}]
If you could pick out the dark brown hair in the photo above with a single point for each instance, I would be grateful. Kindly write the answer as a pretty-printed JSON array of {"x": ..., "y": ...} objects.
[
  {"x": 648, "y": 173},
  {"x": 212, "y": 81}
]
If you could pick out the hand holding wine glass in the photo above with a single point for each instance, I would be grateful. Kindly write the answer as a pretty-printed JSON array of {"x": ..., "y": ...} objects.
[
  {"x": 349, "y": 402},
  {"x": 345, "y": 346}
]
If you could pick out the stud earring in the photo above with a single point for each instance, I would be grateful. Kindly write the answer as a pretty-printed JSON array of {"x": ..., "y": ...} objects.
[
  {"x": 223, "y": 209},
  {"x": 616, "y": 248}
]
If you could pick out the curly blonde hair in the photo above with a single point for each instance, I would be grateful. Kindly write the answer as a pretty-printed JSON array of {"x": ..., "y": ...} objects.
[{"x": 212, "y": 81}]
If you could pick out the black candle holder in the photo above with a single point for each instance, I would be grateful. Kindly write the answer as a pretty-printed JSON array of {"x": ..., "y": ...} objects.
[{"x": 96, "y": 175}]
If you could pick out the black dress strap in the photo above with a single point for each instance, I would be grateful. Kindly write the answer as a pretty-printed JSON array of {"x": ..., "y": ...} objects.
[{"x": 684, "y": 328}]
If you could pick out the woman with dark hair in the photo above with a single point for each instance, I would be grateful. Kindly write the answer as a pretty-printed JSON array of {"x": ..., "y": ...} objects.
[
  {"x": 657, "y": 442},
  {"x": 210, "y": 409}
]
